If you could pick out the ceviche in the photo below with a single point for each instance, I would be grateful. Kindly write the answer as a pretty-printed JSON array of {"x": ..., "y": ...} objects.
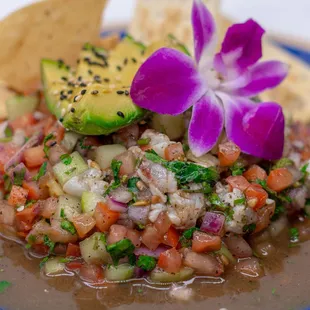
[{"x": 144, "y": 163}]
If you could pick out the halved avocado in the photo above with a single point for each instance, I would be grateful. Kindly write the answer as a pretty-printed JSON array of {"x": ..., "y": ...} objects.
[{"x": 101, "y": 111}]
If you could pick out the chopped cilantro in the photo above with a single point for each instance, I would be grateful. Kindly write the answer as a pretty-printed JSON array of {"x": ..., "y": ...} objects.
[
  {"x": 294, "y": 234},
  {"x": 4, "y": 285},
  {"x": 28, "y": 246},
  {"x": 144, "y": 141},
  {"x": 112, "y": 187},
  {"x": 45, "y": 146},
  {"x": 48, "y": 242},
  {"x": 185, "y": 172},
  {"x": 186, "y": 236},
  {"x": 147, "y": 263},
  {"x": 132, "y": 184},
  {"x": 237, "y": 169},
  {"x": 66, "y": 159},
  {"x": 132, "y": 259},
  {"x": 83, "y": 146},
  {"x": 140, "y": 226},
  {"x": 68, "y": 226},
  {"x": 304, "y": 172},
  {"x": 278, "y": 211},
  {"x": 65, "y": 260},
  {"x": 7, "y": 183},
  {"x": 185, "y": 148},
  {"x": 248, "y": 229},
  {"x": 116, "y": 166},
  {"x": 8, "y": 132},
  {"x": 283, "y": 162},
  {"x": 103, "y": 239},
  {"x": 239, "y": 201},
  {"x": 120, "y": 249},
  {"x": 273, "y": 291},
  {"x": 19, "y": 177},
  {"x": 68, "y": 172},
  {"x": 43, "y": 261},
  {"x": 32, "y": 238},
  {"x": 41, "y": 172},
  {"x": 30, "y": 203},
  {"x": 62, "y": 213},
  {"x": 229, "y": 213}
]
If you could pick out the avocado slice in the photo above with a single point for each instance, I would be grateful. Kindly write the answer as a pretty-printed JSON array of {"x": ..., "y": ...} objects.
[{"x": 101, "y": 111}]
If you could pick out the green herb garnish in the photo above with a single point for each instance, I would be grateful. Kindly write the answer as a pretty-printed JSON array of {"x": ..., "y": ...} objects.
[
  {"x": 48, "y": 242},
  {"x": 43, "y": 261},
  {"x": 237, "y": 169},
  {"x": 120, "y": 249},
  {"x": 65, "y": 260},
  {"x": 279, "y": 210},
  {"x": 19, "y": 177},
  {"x": 4, "y": 285},
  {"x": 8, "y": 132},
  {"x": 229, "y": 213},
  {"x": 68, "y": 226},
  {"x": 132, "y": 184},
  {"x": 304, "y": 172},
  {"x": 146, "y": 262},
  {"x": 103, "y": 238},
  {"x": 186, "y": 237},
  {"x": 68, "y": 172},
  {"x": 283, "y": 162},
  {"x": 62, "y": 213},
  {"x": 7, "y": 183},
  {"x": 248, "y": 229},
  {"x": 239, "y": 201},
  {"x": 294, "y": 234},
  {"x": 144, "y": 141},
  {"x": 116, "y": 166},
  {"x": 185, "y": 172},
  {"x": 45, "y": 146},
  {"x": 66, "y": 159},
  {"x": 41, "y": 172},
  {"x": 83, "y": 146}
]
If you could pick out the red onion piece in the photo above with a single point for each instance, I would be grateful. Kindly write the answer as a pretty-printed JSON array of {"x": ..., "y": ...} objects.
[
  {"x": 213, "y": 223},
  {"x": 139, "y": 272},
  {"x": 298, "y": 196},
  {"x": 116, "y": 206},
  {"x": 146, "y": 251},
  {"x": 139, "y": 215},
  {"x": 238, "y": 246},
  {"x": 17, "y": 157}
]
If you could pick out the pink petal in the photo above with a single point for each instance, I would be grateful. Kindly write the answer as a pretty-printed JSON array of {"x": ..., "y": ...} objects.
[
  {"x": 262, "y": 76},
  {"x": 241, "y": 48},
  {"x": 258, "y": 129},
  {"x": 204, "y": 29},
  {"x": 206, "y": 124},
  {"x": 167, "y": 83}
]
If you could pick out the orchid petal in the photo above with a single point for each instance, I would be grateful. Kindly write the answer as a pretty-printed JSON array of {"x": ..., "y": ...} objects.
[
  {"x": 258, "y": 129},
  {"x": 262, "y": 76},
  {"x": 204, "y": 30},
  {"x": 206, "y": 124},
  {"x": 167, "y": 83},
  {"x": 241, "y": 48}
]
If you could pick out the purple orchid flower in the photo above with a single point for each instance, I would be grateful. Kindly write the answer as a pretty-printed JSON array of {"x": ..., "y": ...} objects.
[{"x": 218, "y": 88}]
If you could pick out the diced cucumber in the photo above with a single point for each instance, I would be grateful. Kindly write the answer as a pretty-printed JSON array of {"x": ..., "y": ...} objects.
[
  {"x": 65, "y": 172},
  {"x": 68, "y": 207},
  {"x": 93, "y": 249},
  {"x": 19, "y": 105},
  {"x": 104, "y": 154},
  {"x": 89, "y": 202},
  {"x": 70, "y": 140},
  {"x": 53, "y": 266},
  {"x": 224, "y": 251},
  {"x": 119, "y": 273},
  {"x": 158, "y": 275}
]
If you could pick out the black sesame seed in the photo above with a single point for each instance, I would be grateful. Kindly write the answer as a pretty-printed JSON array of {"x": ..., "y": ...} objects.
[
  {"x": 106, "y": 80},
  {"x": 90, "y": 72},
  {"x": 134, "y": 60},
  {"x": 80, "y": 78},
  {"x": 120, "y": 92},
  {"x": 64, "y": 78},
  {"x": 126, "y": 92},
  {"x": 121, "y": 114},
  {"x": 70, "y": 84},
  {"x": 72, "y": 110},
  {"x": 60, "y": 60},
  {"x": 75, "y": 98},
  {"x": 142, "y": 52},
  {"x": 97, "y": 78},
  {"x": 87, "y": 59},
  {"x": 95, "y": 92},
  {"x": 68, "y": 68},
  {"x": 62, "y": 92},
  {"x": 63, "y": 97},
  {"x": 61, "y": 119},
  {"x": 83, "y": 85},
  {"x": 78, "y": 61},
  {"x": 125, "y": 61},
  {"x": 70, "y": 92},
  {"x": 119, "y": 68},
  {"x": 83, "y": 91},
  {"x": 53, "y": 144}
]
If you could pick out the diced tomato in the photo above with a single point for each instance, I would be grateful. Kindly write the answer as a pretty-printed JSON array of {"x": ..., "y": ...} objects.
[
  {"x": 18, "y": 196},
  {"x": 174, "y": 151},
  {"x": 151, "y": 237},
  {"x": 254, "y": 173},
  {"x": 22, "y": 234},
  {"x": 279, "y": 179},
  {"x": 170, "y": 261},
  {"x": 134, "y": 236},
  {"x": 263, "y": 216},
  {"x": 105, "y": 217},
  {"x": 228, "y": 153},
  {"x": 60, "y": 248},
  {"x": 34, "y": 191},
  {"x": 145, "y": 147},
  {"x": 40, "y": 249},
  {"x": 83, "y": 224},
  {"x": 257, "y": 195},
  {"x": 25, "y": 218},
  {"x": 91, "y": 273},
  {"x": 49, "y": 207},
  {"x": 162, "y": 223},
  {"x": 116, "y": 233},
  {"x": 34, "y": 156},
  {"x": 172, "y": 237},
  {"x": 23, "y": 122},
  {"x": 75, "y": 265},
  {"x": 73, "y": 250},
  {"x": 128, "y": 163},
  {"x": 238, "y": 182},
  {"x": 203, "y": 242},
  {"x": 6, "y": 154}
]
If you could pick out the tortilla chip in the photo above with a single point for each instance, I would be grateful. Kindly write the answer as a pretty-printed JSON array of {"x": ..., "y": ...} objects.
[
  {"x": 47, "y": 29},
  {"x": 5, "y": 93}
]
